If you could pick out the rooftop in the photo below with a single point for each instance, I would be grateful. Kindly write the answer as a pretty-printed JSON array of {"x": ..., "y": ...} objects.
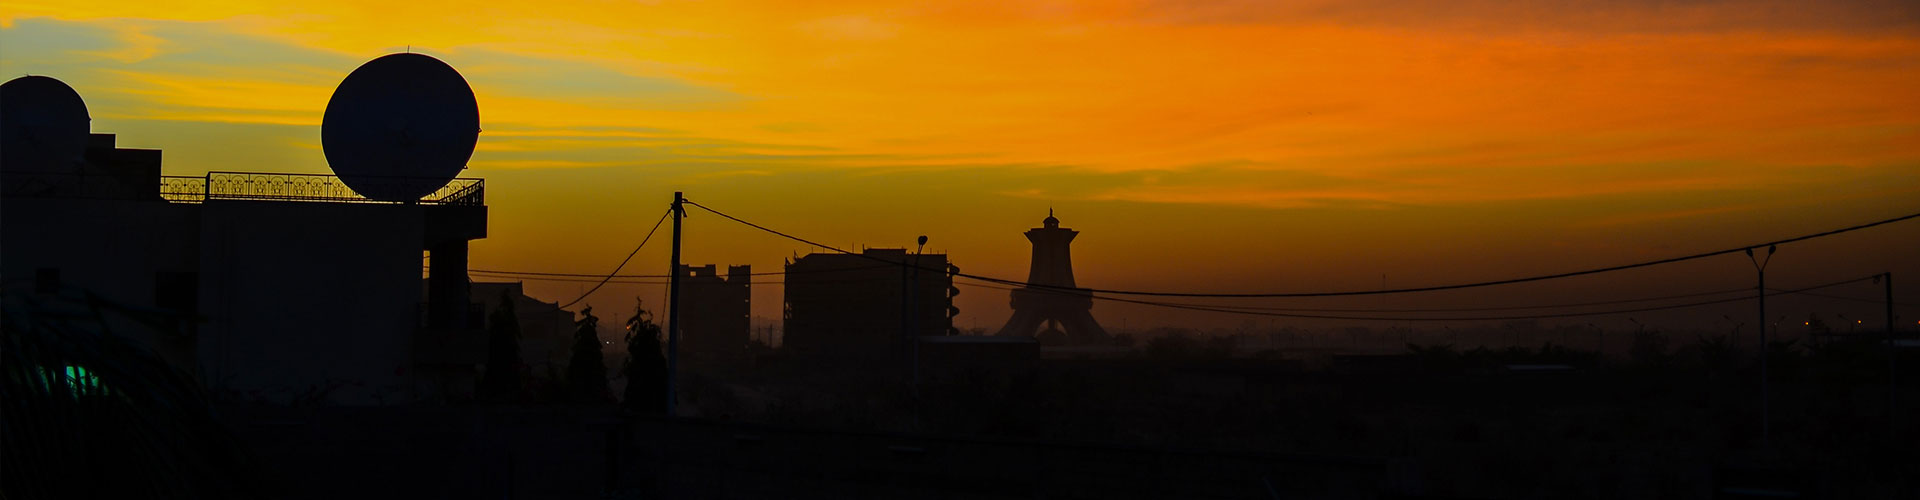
[{"x": 229, "y": 186}]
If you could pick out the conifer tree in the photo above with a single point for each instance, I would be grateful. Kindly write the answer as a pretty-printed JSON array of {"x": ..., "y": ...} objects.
[
  {"x": 502, "y": 379},
  {"x": 646, "y": 369},
  {"x": 587, "y": 369}
]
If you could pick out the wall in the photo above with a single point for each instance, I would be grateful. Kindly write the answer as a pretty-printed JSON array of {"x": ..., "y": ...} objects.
[
  {"x": 113, "y": 248},
  {"x": 311, "y": 301}
]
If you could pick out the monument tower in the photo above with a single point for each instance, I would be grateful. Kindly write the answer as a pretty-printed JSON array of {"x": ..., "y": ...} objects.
[{"x": 1057, "y": 304}]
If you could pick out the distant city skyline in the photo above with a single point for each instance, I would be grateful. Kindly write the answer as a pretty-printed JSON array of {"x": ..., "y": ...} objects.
[{"x": 1218, "y": 148}]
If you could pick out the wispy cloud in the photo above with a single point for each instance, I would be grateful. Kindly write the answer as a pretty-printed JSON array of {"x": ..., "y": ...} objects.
[
  {"x": 1617, "y": 115},
  {"x": 223, "y": 70}
]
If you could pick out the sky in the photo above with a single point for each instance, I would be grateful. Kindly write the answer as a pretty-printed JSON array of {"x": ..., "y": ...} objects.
[{"x": 1199, "y": 146}]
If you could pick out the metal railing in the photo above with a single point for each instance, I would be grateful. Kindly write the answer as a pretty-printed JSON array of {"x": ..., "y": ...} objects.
[
  {"x": 238, "y": 186},
  {"x": 183, "y": 189},
  {"x": 330, "y": 188}
]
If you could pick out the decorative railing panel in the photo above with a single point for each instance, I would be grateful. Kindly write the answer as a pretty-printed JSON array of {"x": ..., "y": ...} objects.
[
  {"x": 182, "y": 189},
  {"x": 232, "y": 186},
  {"x": 314, "y": 187}
]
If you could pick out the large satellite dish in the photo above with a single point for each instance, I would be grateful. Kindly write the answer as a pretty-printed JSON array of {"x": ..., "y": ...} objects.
[
  {"x": 400, "y": 127},
  {"x": 43, "y": 126}
]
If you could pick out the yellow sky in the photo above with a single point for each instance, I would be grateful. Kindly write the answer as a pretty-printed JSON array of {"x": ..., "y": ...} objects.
[{"x": 1200, "y": 145}]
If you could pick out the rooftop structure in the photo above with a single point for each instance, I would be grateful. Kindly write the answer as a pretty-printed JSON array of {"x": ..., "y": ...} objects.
[
  {"x": 862, "y": 305},
  {"x": 292, "y": 288}
]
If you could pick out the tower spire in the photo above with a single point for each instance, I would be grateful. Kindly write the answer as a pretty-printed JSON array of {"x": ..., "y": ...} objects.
[{"x": 1060, "y": 301}]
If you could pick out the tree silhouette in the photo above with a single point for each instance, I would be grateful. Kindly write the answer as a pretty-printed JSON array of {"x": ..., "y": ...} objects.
[
  {"x": 502, "y": 380},
  {"x": 587, "y": 369},
  {"x": 646, "y": 369},
  {"x": 88, "y": 411}
]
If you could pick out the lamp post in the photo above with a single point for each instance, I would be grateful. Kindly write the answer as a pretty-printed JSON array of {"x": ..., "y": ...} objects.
[
  {"x": 913, "y": 323},
  {"x": 913, "y": 311},
  {"x": 1760, "y": 291}
]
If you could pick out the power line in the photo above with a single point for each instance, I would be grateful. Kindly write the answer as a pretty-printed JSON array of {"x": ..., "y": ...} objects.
[
  {"x": 623, "y": 262},
  {"x": 568, "y": 275},
  {"x": 1296, "y": 309},
  {"x": 663, "y": 282},
  {"x": 1257, "y": 310},
  {"x": 1231, "y": 308},
  {"x": 1171, "y": 305},
  {"x": 1337, "y": 294},
  {"x": 567, "y": 280},
  {"x": 1843, "y": 297},
  {"x": 1478, "y": 309},
  {"x": 581, "y": 275}
]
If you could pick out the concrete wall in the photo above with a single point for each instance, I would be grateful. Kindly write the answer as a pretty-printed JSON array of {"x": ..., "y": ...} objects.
[
  {"x": 310, "y": 302},
  {"x": 113, "y": 248}
]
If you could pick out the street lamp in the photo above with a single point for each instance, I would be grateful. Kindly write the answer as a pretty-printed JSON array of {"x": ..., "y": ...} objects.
[{"x": 913, "y": 323}]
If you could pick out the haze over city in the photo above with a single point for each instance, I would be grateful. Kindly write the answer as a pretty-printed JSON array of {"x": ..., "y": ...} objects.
[
  {"x": 1202, "y": 147},
  {"x": 1367, "y": 250}
]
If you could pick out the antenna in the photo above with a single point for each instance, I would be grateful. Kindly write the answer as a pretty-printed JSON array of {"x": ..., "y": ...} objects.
[{"x": 400, "y": 127}]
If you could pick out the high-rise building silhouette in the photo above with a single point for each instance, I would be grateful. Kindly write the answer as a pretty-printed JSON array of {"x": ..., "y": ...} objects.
[
  {"x": 1057, "y": 303},
  {"x": 715, "y": 316},
  {"x": 846, "y": 305}
]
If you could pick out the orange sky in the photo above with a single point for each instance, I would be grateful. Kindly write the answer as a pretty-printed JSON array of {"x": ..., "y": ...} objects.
[{"x": 1198, "y": 145}]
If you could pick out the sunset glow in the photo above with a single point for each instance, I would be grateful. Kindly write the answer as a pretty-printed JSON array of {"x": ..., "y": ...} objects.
[{"x": 1198, "y": 146}]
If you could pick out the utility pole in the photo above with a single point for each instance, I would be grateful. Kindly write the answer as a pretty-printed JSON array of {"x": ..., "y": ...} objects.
[
  {"x": 673, "y": 305},
  {"x": 1893, "y": 352},
  {"x": 913, "y": 321},
  {"x": 1766, "y": 417}
]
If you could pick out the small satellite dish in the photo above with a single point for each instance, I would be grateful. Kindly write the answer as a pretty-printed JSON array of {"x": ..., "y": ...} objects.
[
  {"x": 43, "y": 126},
  {"x": 400, "y": 127}
]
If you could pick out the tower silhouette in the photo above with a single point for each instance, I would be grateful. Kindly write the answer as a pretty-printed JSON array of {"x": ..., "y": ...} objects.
[{"x": 1065, "y": 310}]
